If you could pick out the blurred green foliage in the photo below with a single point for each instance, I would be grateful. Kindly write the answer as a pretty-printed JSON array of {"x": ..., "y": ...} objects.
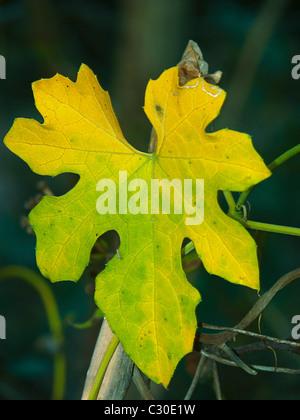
[{"x": 126, "y": 43}]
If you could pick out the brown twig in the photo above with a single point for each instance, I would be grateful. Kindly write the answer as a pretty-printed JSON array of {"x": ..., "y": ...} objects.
[
  {"x": 214, "y": 346},
  {"x": 225, "y": 361},
  {"x": 270, "y": 340},
  {"x": 196, "y": 378},
  {"x": 142, "y": 384},
  {"x": 257, "y": 309},
  {"x": 261, "y": 347},
  {"x": 216, "y": 379}
]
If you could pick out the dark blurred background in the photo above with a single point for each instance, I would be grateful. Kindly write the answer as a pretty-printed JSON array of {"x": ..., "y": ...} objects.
[{"x": 126, "y": 43}]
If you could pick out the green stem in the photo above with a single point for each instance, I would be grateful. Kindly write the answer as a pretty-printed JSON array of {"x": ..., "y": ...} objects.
[
  {"x": 265, "y": 227},
  {"x": 285, "y": 230},
  {"x": 275, "y": 164},
  {"x": 230, "y": 201},
  {"x": 97, "y": 316},
  {"x": 102, "y": 369},
  {"x": 55, "y": 324},
  {"x": 235, "y": 209},
  {"x": 243, "y": 198},
  {"x": 284, "y": 157}
]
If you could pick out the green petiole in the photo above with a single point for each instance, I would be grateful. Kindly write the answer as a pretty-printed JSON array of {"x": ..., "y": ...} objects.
[
  {"x": 235, "y": 208},
  {"x": 285, "y": 230},
  {"x": 277, "y": 162},
  {"x": 102, "y": 368}
]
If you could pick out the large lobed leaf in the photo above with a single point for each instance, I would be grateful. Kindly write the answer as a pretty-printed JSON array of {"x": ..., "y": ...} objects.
[{"x": 144, "y": 293}]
